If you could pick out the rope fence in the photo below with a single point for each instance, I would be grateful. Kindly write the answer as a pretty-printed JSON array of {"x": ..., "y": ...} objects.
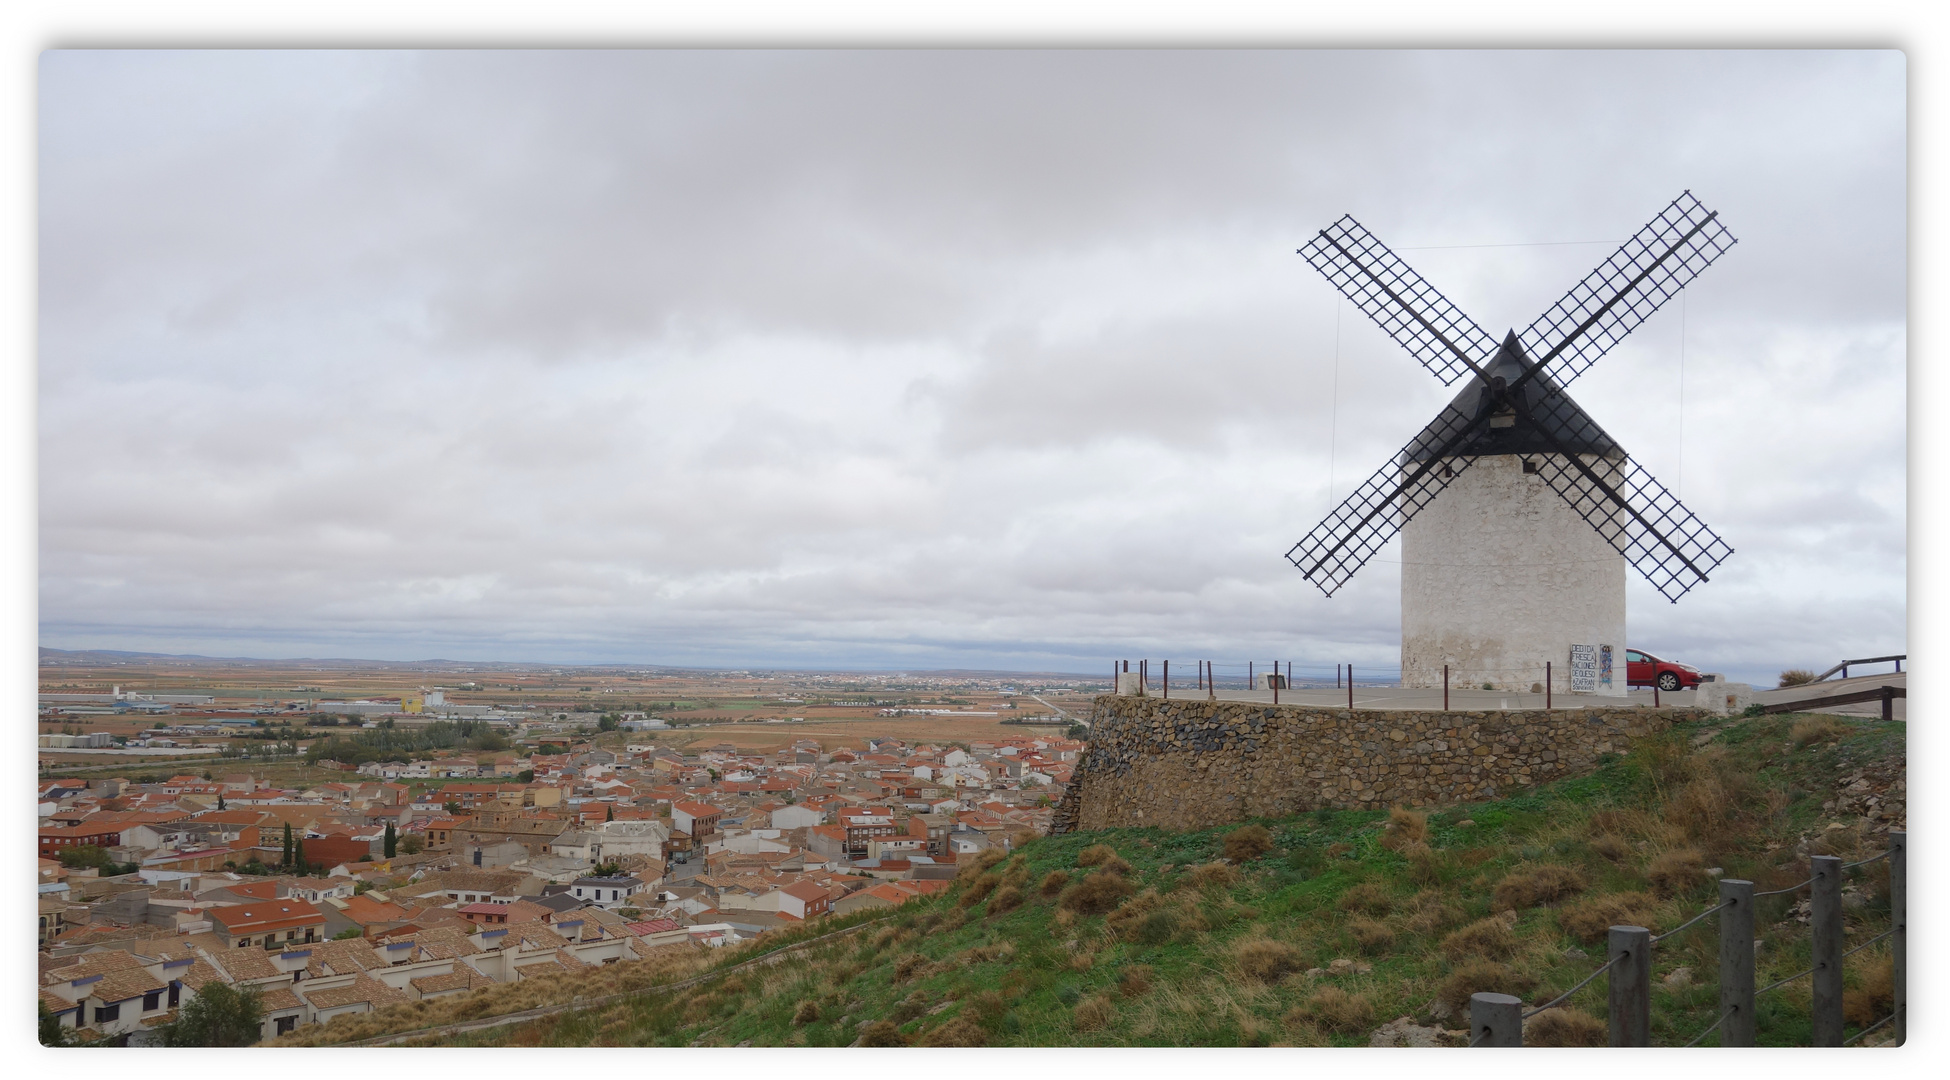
[
  {"x": 1496, "y": 1020},
  {"x": 1530, "y": 688}
]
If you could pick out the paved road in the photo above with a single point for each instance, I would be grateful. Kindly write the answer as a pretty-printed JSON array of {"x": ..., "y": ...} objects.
[{"x": 1843, "y": 686}]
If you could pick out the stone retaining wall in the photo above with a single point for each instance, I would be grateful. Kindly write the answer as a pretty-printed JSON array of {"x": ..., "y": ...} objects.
[{"x": 1190, "y": 764}]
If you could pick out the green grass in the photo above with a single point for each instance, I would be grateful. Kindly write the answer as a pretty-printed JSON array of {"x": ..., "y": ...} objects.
[{"x": 1040, "y": 976}]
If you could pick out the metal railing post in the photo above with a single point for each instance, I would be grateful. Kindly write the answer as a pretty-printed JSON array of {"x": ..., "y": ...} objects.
[
  {"x": 1495, "y": 1020},
  {"x": 1166, "y": 681},
  {"x": 1888, "y": 704},
  {"x": 1350, "y": 687},
  {"x": 1547, "y": 685},
  {"x": 1736, "y": 962},
  {"x": 1445, "y": 688},
  {"x": 1899, "y": 926},
  {"x": 1825, "y": 928},
  {"x": 1211, "y": 687},
  {"x": 1629, "y": 948}
]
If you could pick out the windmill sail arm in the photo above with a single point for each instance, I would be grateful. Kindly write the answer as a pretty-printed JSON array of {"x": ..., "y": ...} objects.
[
  {"x": 1645, "y": 272},
  {"x": 1405, "y": 306},
  {"x": 1375, "y": 511},
  {"x": 1664, "y": 541}
]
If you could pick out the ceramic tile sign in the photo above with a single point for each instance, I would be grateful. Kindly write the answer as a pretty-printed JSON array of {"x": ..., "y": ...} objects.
[
  {"x": 1584, "y": 669},
  {"x": 1604, "y": 669}
]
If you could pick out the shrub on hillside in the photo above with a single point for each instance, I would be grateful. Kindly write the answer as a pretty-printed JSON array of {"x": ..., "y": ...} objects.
[
  {"x": 1212, "y": 875},
  {"x": 1369, "y": 898},
  {"x": 1248, "y": 843},
  {"x": 1053, "y": 883},
  {"x": 1093, "y": 1014},
  {"x": 882, "y": 1033},
  {"x": 1371, "y": 935},
  {"x": 1536, "y": 885},
  {"x": 959, "y": 1032},
  {"x": 1266, "y": 960},
  {"x": 1566, "y": 1027},
  {"x": 1489, "y": 938},
  {"x": 1098, "y": 892},
  {"x": 1796, "y": 677},
  {"x": 978, "y": 890},
  {"x": 975, "y": 866},
  {"x": 1676, "y": 872},
  {"x": 1007, "y": 898},
  {"x": 1589, "y": 920},
  {"x": 1337, "y": 1010},
  {"x": 1482, "y": 977},
  {"x": 1404, "y": 827}
]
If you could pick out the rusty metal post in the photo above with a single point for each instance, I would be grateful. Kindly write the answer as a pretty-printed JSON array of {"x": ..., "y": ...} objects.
[
  {"x": 1495, "y": 1020},
  {"x": 1825, "y": 927},
  {"x": 1630, "y": 950},
  {"x": 1899, "y": 924},
  {"x": 1736, "y": 962},
  {"x": 1655, "y": 685}
]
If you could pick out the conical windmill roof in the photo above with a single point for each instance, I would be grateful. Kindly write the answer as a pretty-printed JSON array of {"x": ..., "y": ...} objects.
[{"x": 1548, "y": 403}]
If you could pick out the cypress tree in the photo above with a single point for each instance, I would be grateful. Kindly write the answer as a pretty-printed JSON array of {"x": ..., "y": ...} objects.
[
  {"x": 609, "y": 814},
  {"x": 287, "y": 844},
  {"x": 220, "y": 805},
  {"x": 298, "y": 852},
  {"x": 392, "y": 840}
]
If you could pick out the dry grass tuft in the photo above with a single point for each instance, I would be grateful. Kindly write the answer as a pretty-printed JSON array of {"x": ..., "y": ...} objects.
[
  {"x": 1482, "y": 977},
  {"x": 1134, "y": 981},
  {"x": 1016, "y": 873},
  {"x": 1337, "y": 1010},
  {"x": 909, "y": 966},
  {"x": 1007, "y": 898},
  {"x": 1489, "y": 937},
  {"x": 1432, "y": 914},
  {"x": 1404, "y": 827},
  {"x": 882, "y": 1033},
  {"x": 1097, "y": 893},
  {"x": 1265, "y": 960},
  {"x": 1611, "y": 848},
  {"x": 1093, "y": 1014},
  {"x": 1566, "y": 1027},
  {"x": 980, "y": 864},
  {"x": 1372, "y": 936},
  {"x": 1212, "y": 875},
  {"x": 1677, "y": 872},
  {"x": 1536, "y": 885},
  {"x": 1370, "y": 898},
  {"x": 1248, "y": 843},
  {"x": 1796, "y": 677},
  {"x": 961, "y": 1031},
  {"x": 806, "y": 1013},
  {"x": 1819, "y": 728},
  {"x": 978, "y": 890},
  {"x": 1053, "y": 883},
  {"x": 1589, "y": 920},
  {"x": 988, "y": 1006},
  {"x": 1096, "y": 855},
  {"x": 1872, "y": 1000},
  {"x": 1151, "y": 919}
]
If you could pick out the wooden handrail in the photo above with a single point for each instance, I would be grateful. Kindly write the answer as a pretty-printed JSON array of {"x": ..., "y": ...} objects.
[{"x": 1844, "y": 666}]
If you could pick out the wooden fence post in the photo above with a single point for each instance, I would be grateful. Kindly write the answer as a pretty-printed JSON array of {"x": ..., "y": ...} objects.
[
  {"x": 1899, "y": 922},
  {"x": 1211, "y": 687},
  {"x": 1825, "y": 928},
  {"x": 1495, "y": 1020},
  {"x": 1736, "y": 962},
  {"x": 1630, "y": 950}
]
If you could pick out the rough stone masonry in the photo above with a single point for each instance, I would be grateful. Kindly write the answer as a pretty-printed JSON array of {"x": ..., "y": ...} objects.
[{"x": 1190, "y": 764}]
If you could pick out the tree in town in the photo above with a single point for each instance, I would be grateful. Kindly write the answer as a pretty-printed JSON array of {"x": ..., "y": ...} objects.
[
  {"x": 609, "y": 813},
  {"x": 392, "y": 841},
  {"x": 220, "y": 804},
  {"x": 53, "y": 1031},
  {"x": 608, "y": 722},
  {"x": 287, "y": 844},
  {"x": 219, "y": 1015},
  {"x": 411, "y": 844},
  {"x": 298, "y": 855}
]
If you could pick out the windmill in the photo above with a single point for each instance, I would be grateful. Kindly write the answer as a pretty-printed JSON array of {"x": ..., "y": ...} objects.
[{"x": 1521, "y": 561}]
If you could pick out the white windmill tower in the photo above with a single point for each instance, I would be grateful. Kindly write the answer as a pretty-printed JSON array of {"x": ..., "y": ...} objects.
[{"x": 1521, "y": 559}]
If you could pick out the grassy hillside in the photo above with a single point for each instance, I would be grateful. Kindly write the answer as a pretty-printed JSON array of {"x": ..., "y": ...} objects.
[{"x": 1321, "y": 928}]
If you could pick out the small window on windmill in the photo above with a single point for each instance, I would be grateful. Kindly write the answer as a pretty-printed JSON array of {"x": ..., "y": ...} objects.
[
  {"x": 1529, "y": 466},
  {"x": 1504, "y": 417}
]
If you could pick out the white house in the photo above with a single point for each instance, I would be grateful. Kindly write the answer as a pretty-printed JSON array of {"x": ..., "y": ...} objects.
[{"x": 606, "y": 892}]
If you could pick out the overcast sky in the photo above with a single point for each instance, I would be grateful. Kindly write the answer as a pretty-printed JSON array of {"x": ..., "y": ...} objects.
[{"x": 906, "y": 359}]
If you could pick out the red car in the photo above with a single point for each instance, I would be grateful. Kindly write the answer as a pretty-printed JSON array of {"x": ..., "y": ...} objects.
[{"x": 1645, "y": 669}]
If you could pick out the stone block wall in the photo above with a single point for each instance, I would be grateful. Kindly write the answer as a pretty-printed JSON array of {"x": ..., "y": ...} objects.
[{"x": 1190, "y": 764}]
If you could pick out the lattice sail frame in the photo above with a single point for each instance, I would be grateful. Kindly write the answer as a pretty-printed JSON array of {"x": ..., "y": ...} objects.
[
  {"x": 1663, "y": 540},
  {"x": 1645, "y": 272}
]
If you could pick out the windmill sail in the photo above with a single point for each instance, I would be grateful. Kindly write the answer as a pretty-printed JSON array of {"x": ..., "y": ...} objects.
[
  {"x": 1406, "y": 307},
  {"x": 1626, "y": 289},
  {"x": 1663, "y": 540}
]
